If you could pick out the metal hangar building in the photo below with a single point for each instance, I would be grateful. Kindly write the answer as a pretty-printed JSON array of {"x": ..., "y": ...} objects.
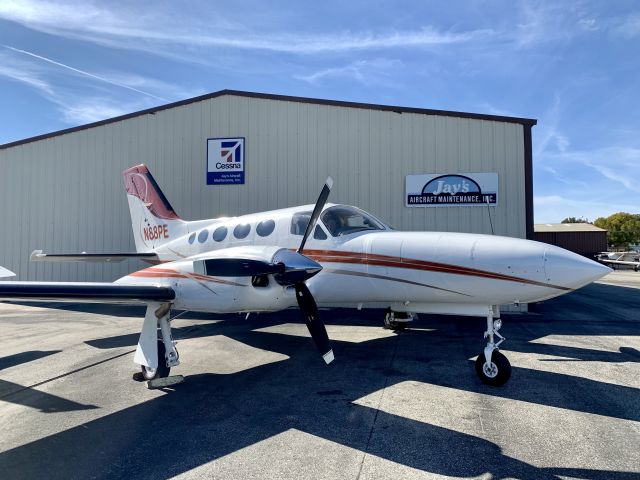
[{"x": 63, "y": 192}]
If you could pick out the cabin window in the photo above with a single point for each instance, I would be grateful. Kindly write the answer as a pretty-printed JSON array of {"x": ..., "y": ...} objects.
[
  {"x": 265, "y": 228},
  {"x": 344, "y": 220},
  {"x": 192, "y": 238},
  {"x": 219, "y": 234},
  {"x": 241, "y": 231},
  {"x": 202, "y": 236},
  {"x": 299, "y": 222}
]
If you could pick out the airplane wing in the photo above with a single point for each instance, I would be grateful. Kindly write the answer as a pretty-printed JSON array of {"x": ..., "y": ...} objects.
[
  {"x": 84, "y": 292},
  {"x": 40, "y": 256}
]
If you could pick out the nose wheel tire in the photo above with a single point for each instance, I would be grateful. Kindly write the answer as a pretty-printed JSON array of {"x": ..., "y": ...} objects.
[
  {"x": 495, "y": 373},
  {"x": 162, "y": 371}
]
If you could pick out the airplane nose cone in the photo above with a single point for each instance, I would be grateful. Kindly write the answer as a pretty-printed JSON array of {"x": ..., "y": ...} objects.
[{"x": 569, "y": 269}]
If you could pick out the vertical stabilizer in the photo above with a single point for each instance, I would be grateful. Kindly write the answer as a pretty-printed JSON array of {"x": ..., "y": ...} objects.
[{"x": 153, "y": 220}]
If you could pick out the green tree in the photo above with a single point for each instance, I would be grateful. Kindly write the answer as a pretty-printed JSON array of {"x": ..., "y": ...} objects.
[
  {"x": 624, "y": 228},
  {"x": 575, "y": 220}
]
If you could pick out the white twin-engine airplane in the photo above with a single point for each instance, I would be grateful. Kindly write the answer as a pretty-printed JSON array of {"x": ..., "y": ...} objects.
[{"x": 328, "y": 255}]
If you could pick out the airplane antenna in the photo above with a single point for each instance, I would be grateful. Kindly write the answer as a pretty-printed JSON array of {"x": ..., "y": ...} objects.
[{"x": 489, "y": 213}]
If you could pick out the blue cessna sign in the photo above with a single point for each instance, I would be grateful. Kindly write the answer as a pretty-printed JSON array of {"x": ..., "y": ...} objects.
[
  {"x": 225, "y": 161},
  {"x": 459, "y": 189}
]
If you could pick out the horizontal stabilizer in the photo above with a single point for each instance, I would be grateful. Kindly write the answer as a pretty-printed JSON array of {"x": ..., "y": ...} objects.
[
  {"x": 4, "y": 273},
  {"x": 40, "y": 256},
  {"x": 84, "y": 292}
]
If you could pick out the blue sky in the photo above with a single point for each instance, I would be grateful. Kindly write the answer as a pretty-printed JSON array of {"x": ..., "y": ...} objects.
[{"x": 573, "y": 65}]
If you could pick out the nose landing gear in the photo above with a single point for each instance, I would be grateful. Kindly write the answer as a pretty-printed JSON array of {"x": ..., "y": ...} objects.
[
  {"x": 493, "y": 367},
  {"x": 396, "y": 320}
]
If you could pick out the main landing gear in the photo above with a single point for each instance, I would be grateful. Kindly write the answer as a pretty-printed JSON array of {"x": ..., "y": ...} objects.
[
  {"x": 396, "y": 320},
  {"x": 492, "y": 367},
  {"x": 156, "y": 356}
]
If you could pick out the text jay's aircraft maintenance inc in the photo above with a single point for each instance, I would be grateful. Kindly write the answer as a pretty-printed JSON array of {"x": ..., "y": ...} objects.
[{"x": 437, "y": 190}]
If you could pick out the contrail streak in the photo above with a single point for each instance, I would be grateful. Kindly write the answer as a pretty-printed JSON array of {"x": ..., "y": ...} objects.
[{"x": 82, "y": 72}]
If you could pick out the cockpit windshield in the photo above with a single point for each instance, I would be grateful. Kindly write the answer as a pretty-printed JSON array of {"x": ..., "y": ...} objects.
[{"x": 343, "y": 220}]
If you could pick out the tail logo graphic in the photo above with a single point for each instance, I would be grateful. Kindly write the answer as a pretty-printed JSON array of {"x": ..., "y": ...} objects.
[{"x": 153, "y": 219}]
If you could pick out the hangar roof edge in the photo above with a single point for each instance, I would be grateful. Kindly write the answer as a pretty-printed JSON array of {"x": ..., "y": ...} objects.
[{"x": 286, "y": 98}]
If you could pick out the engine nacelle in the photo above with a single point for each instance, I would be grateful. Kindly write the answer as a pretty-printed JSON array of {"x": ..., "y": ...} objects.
[{"x": 204, "y": 289}]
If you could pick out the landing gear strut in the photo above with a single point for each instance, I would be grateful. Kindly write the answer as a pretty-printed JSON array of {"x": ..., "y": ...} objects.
[
  {"x": 156, "y": 356},
  {"x": 492, "y": 367},
  {"x": 396, "y": 320}
]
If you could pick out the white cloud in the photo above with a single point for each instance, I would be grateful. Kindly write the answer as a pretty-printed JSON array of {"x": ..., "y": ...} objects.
[
  {"x": 548, "y": 132},
  {"x": 367, "y": 72},
  {"x": 616, "y": 163},
  {"x": 25, "y": 76},
  {"x": 173, "y": 91},
  {"x": 491, "y": 109},
  {"x": 124, "y": 27},
  {"x": 627, "y": 27},
  {"x": 82, "y": 72},
  {"x": 555, "y": 208},
  {"x": 76, "y": 105},
  {"x": 88, "y": 110}
]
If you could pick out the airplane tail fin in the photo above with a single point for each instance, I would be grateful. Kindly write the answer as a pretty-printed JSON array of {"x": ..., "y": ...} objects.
[{"x": 153, "y": 219}]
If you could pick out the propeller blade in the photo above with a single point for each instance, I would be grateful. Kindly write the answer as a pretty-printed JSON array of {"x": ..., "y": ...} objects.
[
  {"x": 316, "y": 328},
  {"x": 241, "y": 267},
  {"x": 322, "y": 199}
]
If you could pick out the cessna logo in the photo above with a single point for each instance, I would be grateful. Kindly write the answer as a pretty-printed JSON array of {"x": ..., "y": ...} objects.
[
  {"x": 225, "y": 160},
  {"x": 155, "y": 232},
  {"x": 452, "y": 189}
]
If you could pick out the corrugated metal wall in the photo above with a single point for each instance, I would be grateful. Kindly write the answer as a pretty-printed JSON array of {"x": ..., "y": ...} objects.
[{"x": 65, "y": 193}]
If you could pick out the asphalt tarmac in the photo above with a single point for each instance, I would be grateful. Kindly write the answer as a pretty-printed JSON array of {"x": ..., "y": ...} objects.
[{"x": 258, "y": 402}]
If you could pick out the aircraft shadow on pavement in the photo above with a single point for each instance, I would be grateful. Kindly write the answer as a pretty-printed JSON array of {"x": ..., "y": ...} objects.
[
  {"x": 29, "y": 396},
  {"x": 24, "y": 357},
  {"x": 213, "y": 415}
]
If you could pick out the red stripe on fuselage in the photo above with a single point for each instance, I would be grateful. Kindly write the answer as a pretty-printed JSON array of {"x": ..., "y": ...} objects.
[
  {"x": 333, "y": 256},
  {"x": 169, "y": 273}
]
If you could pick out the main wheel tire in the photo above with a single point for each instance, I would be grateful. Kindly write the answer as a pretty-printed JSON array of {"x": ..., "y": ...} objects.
[
  {"x": 162, "y": 371},
  {"x": 391, "y": 324},
  {"x": 497, "y": 373}
]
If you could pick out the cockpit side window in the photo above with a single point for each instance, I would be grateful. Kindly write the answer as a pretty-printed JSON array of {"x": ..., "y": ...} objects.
[
  {"x": 344, "y": 220},
  {"x": 299, "y": 222}
]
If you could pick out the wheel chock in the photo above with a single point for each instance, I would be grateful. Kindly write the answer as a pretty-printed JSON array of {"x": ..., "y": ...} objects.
[{"x": 165, "y": 382}]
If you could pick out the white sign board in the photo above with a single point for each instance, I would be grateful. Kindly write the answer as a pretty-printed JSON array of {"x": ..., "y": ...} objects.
[{"x": 452, "y": 189}]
